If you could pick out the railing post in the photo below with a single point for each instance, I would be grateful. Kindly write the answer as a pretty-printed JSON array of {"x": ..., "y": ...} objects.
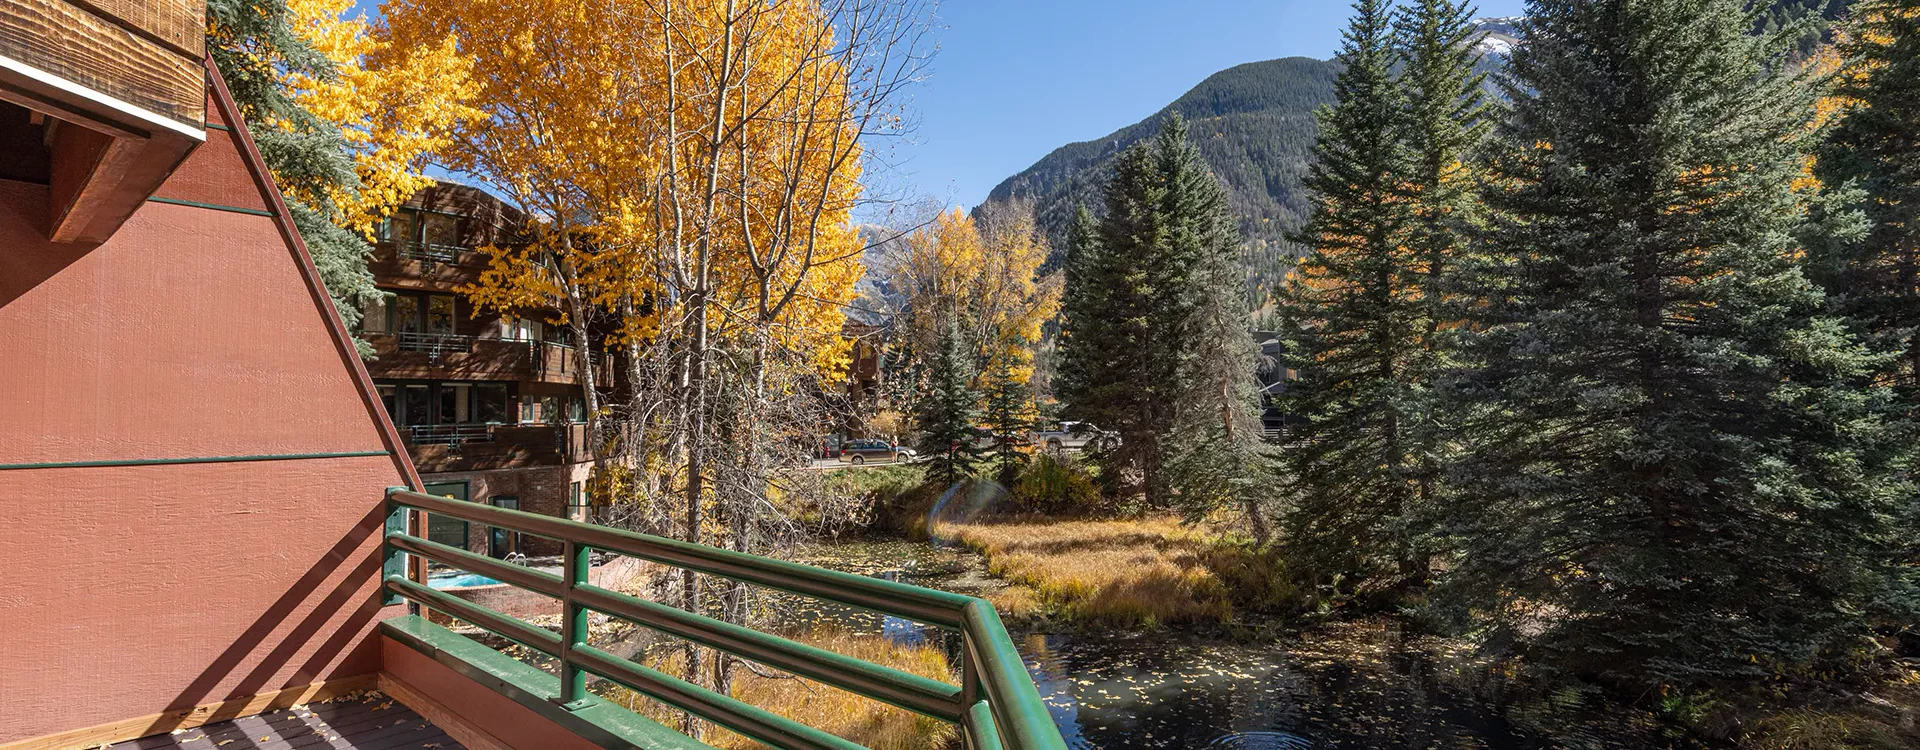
[
  {"x": 573, "y": 628},
  {"x": 969, "y": 678},
  {"x": 394, "y": 562}
]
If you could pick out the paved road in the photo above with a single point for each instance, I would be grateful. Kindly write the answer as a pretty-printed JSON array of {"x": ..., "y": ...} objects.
[{"x": 834, "y": 463}]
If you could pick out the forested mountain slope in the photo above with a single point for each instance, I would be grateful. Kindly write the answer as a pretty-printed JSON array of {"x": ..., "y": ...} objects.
[{"x": 1254, "y": 124}]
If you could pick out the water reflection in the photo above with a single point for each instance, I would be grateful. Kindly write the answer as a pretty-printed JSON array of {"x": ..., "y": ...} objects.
[
  {"x": 1163, "y": 692},
  {"x": 1352, "y": 686}
]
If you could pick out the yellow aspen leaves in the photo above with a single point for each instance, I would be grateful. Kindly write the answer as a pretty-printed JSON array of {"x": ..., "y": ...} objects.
[
  {"x": 985, "y": 277},
  {"x": 396, "y": 104}
]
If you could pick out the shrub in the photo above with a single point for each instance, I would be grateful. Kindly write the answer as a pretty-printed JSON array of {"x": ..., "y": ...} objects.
[{"x": 1053, "y": 483}]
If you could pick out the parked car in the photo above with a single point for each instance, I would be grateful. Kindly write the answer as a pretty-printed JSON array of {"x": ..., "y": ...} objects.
[
  {"x": 985, "y": 441},
  {"x": 1074, "y": 435},
  {"x": 862, "y": 451}
]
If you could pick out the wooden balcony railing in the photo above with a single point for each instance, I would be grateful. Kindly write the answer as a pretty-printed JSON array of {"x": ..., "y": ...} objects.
[{"x": 996, "y": 704}]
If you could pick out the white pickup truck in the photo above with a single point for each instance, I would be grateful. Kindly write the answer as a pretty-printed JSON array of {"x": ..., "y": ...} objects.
[{"x": 1074, "y": 435}]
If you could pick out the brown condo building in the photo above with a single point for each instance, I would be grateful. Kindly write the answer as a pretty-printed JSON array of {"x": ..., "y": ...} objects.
[{"x": 491, "y": 407}]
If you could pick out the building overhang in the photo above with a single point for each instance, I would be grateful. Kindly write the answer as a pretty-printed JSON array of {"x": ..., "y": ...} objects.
[{"x": 119, "y": 90}]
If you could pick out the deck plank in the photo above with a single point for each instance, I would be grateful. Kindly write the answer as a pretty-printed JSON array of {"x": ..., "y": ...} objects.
[{"x": 370, "y": 721}]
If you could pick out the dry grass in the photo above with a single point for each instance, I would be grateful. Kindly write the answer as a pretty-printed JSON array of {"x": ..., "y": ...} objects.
[
  {"x": 1017, "y": 602},
  {"x": 862, "y": 720},
  {"x": 1138, "y": 572},
  {"x": 1806, "y": 729}
]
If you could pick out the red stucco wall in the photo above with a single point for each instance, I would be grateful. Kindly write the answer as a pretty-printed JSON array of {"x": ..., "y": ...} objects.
[
  {"x": 132, "y": 590},
  {"x": 136, "y": 590}
]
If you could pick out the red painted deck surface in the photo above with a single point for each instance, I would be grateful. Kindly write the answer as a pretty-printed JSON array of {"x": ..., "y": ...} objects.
[{"x": 370, "y": 722}]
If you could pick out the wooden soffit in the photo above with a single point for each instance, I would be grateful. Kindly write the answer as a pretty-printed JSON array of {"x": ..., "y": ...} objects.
[{"x": 126, "y": 82}]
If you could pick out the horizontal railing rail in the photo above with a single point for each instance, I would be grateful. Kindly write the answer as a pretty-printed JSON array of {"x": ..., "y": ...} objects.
[
  {"x": 430, "y": 252},
  {"x": 451, "y": 434},
  {"x": 433, "y": 342},
  {"x": 996, "y": 706}
]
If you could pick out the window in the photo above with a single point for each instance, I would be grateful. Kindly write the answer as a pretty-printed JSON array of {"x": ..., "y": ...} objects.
[
  {"x": 376, "y": 313},
  {"x": 576, "y": 410},
  {"x": 576, "y": 503},
  {"x": 454, "y": 405},
  {"x": 520, "y": 329},
  {"x": 406, "y": 314},
  {"x": 446, "y": 529},
  {"x": 445, "y": 403},
  {"x": 502, "y": 542},
  {"x": 540, "y": 409},
  {"x": 440, "y": 314},
  {"x": 411, "y": 312},
  {"x": 440, "y": 229},
  {"x": 490, "y": 404},
  {"x": 414, "y": 407},
  {"x": 403, "y": 228}
]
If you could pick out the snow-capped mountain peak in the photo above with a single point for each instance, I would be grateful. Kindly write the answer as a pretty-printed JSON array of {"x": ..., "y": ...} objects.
[{"x": 1498, "y": 36}]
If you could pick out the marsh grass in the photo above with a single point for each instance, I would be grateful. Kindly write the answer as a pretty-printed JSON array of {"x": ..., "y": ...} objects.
[
  {"x": 1125, "y": 573},
  {"x": 861, "y": 720}
]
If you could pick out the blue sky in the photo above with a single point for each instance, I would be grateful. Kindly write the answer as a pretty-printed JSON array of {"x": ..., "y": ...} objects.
[{"x": 1015, "y": 79}]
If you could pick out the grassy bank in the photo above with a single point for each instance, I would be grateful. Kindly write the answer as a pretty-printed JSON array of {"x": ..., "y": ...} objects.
[
  {"x": 861, "y": 720},
  {"x": 1120, "y": 573}
]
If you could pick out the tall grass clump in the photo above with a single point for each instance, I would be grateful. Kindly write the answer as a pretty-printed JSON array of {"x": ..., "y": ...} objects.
[
  {"x": 1126, "y": 573},
  {"x": 1050, "y": 482}
]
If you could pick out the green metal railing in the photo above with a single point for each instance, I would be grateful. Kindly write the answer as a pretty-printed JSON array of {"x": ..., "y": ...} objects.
[{"x": 996, "y": 704}]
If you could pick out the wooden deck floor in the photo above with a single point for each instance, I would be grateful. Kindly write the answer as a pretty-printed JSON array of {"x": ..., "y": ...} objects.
[{"x": 370, "y": 722}]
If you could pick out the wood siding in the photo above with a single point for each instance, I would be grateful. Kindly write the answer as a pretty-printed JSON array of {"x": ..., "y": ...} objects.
[{"x": 112, "y": 49}]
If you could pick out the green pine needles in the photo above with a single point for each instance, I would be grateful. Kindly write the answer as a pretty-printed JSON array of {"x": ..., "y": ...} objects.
[
  {"x": 1607, "y": 372},
  {"x": 1153, "y": 341},
  {"x": 1364, "y": 315},
  {"x": 947, "y": 410},
  {"x": 1873, "y": 156},
  {"x": 1678, "y": 471},
  {"x": 1008, "y": 415}
]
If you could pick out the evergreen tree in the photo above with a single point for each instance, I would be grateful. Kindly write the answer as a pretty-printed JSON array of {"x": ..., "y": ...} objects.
[
  {"x": 1137, "y": 281},
  {"x": 946, "y": 411},
  {"x": 1444, "y": 124},
  {"x": 1008, "y": 416},
  {"x": 1216, "y": 456},
  {"x": 1354, "y": 318},
  {"x": 1677, "y": 477},
  {"x": 1873, "y": 156},
  {"x": 252, "y": 42}
]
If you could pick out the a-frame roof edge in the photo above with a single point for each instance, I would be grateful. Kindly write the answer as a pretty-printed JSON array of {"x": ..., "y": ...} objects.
[{"x": 336, "y": 326}]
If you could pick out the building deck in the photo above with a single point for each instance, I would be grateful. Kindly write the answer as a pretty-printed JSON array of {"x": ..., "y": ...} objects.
[{"x": 369, "y": 722}]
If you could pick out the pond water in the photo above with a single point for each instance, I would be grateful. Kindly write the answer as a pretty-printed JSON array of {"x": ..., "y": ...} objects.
[{"x": 1348, "y": 686}]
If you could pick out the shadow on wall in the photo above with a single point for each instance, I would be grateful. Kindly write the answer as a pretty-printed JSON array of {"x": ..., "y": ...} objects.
[
  {"x": 360, "y": 582},
  {"x": 22, "y": 269}
]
